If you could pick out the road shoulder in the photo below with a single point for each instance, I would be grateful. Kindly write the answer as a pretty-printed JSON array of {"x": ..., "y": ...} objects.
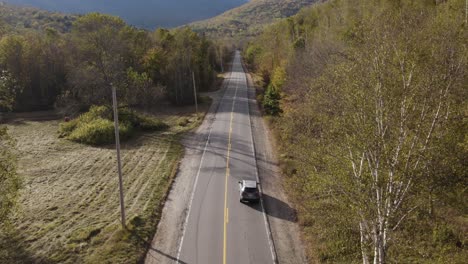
[{"x": 281, "y": 217}]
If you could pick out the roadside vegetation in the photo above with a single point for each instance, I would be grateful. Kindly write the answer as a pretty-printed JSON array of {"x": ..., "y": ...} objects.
[{"x": 368, "y": 101}]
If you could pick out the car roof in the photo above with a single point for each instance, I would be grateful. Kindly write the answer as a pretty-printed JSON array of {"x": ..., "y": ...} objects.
[{"x": 249, "y": 184}]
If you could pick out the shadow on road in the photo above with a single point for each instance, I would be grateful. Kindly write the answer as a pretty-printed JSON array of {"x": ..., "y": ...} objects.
[
  {"x": 276, "y": 208},
  {"x": 152, "y": 250}
]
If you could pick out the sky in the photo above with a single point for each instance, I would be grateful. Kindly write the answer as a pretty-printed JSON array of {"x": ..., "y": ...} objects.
[{"x": 147, "y": 14}]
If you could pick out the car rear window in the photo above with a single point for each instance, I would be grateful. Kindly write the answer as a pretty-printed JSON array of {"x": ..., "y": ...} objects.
[{"x": 250, "y": 190}]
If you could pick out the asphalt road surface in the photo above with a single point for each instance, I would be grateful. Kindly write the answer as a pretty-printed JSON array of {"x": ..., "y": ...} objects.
[{"x": 218, "y": 228}]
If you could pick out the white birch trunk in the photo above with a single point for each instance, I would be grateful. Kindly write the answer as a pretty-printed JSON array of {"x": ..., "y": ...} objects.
[{"x": 365, "y": 257}]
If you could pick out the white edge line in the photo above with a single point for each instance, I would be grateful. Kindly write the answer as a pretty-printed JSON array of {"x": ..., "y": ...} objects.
[
  {"x": 196, "y": 179},
  {"x": 267, "y": 225},
  {"x": 192, "y": 196}
]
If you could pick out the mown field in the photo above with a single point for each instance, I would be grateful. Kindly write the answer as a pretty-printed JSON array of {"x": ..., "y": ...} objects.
[{"x": 68, "y": 208}]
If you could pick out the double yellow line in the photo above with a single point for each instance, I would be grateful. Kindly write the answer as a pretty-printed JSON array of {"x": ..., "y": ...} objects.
[{"x": 226, "y": 209}]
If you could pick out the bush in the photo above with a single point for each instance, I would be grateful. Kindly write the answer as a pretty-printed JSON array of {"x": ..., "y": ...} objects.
[
  {"x": 67, "y": 128},
  {"x": 99, "y": 131},
  {"x": 96, "y": 127},
  {"x": 271, "y": 101},
  {"x": 183, "y": 121},
  {"x": 147, "y": 123}
]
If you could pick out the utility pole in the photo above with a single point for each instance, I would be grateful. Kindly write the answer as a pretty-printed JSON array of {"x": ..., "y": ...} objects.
[
  {"x": 119, "y": 163},
  {"x": 222, "y": 66},
  {"x": 195, "y": 93}
]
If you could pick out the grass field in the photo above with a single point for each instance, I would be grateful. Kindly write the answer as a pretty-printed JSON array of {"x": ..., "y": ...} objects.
[{"x": 69, "y": 204}]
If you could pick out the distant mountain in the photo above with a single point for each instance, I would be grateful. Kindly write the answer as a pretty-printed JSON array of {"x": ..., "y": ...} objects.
[
  {"x": 142, "y": 13},
  {"x": 18, "y": 18},
  {"x": 250, "y": 18}
]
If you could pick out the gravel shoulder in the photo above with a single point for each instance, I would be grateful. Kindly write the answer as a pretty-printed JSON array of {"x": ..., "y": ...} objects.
[{"x": 281, "y": 217}]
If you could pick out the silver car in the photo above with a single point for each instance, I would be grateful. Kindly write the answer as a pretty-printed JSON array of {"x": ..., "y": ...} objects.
[{"x": 249, "y": 191}]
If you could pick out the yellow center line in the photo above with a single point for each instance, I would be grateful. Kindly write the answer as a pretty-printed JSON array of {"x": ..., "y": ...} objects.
[{"x": 226, "y": 210}]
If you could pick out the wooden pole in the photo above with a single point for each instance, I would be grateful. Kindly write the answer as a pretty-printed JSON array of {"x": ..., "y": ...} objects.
[
  {"x": 119, "y": 163},
  {"x": 195, "y": 93}
]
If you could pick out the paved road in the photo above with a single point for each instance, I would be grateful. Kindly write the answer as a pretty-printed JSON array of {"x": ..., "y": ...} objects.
[{"x": 218, "y": 228}]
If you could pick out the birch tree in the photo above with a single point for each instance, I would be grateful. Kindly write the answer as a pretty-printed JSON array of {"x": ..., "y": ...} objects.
[
  {"x": 373, "y": 115},
  {"x": 386, "y": 106}
]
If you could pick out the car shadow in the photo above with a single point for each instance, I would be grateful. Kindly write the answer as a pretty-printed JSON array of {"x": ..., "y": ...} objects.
[{"x": 276, "y": 208}]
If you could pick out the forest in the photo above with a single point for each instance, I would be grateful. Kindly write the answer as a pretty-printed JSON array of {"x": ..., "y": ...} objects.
[
  {"x": 46, "y": 68},
  {"x": 367, "y": 100},
  {"x": 21, "y": 18}
]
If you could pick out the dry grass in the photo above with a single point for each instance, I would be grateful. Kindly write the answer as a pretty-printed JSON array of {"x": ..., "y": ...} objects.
[{"x": 69, "y": 205}]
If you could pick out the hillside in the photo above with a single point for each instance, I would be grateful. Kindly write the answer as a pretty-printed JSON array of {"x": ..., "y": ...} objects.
[
  {"x": 141, "y": 13},
  {"x": 250, "y": 18},
  {"x": 18, "y": 18}
]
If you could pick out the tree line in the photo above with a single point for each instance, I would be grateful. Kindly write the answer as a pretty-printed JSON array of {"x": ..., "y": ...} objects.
[
  {"x": 368, "y": 100},
  {"x": 45, "y": 69}
]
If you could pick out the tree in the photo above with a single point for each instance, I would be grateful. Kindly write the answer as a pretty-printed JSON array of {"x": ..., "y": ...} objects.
[
  {"x": 271, "y": 102},
  {"x": 8, "y": 91},
  {"x": 101, "y": 54},
  {"x": 142, "y": 91},
  {"x": 36, "y": 61}
]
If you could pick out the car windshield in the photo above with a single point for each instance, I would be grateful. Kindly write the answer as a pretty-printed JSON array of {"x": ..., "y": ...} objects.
[{"x": 250, "y": 190}]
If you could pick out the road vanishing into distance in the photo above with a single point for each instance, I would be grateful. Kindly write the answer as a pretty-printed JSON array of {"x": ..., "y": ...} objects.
[{"x": 218, "y": 228}]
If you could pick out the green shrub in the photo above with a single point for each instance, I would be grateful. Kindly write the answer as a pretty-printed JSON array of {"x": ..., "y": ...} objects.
[
  {"x": 98, "y": 131},
  {"x": 96, "y": 127},
  {"x": 67, "y": 128},
  {"x": 183, "y": 121},
  {"x": 271, "y": 101}
]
